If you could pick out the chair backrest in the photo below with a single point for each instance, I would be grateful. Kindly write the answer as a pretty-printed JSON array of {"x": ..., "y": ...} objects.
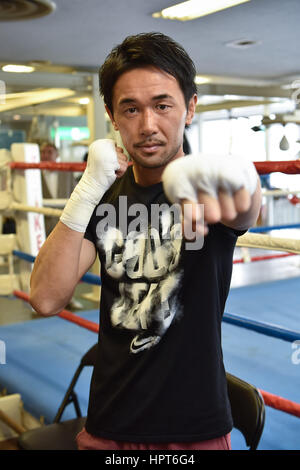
[
  {"x": 60, "y": 435},
  {"x": 248, "y": 409},
  {"x": 88, "y": 359}
]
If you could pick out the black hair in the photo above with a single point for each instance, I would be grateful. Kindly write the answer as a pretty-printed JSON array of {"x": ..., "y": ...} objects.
[{"x": 147, "y": 49}]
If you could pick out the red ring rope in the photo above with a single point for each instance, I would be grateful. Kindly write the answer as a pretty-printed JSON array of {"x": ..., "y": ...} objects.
[
  {"x": 289, "y": 167},
  {"x": 65, "y": 314},
  {"x": 261, "y": 258},
  {"x": 54, "y": 166},
  {"x": 282, "y": 404}
]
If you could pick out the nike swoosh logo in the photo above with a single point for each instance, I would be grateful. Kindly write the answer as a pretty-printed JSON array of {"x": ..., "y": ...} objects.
[{"x": 138, "y": 345}]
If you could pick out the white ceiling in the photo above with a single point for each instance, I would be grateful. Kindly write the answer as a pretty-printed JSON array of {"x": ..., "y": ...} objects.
[{"x": 80, "y": 33}]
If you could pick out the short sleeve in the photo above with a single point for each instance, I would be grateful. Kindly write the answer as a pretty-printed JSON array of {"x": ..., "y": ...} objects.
[
  {"x": 229, "y": 230},
  {"x": 90, "y": 230}
]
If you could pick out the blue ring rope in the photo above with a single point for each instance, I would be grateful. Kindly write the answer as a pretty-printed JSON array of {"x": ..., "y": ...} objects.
[
  {"x": 274, "y": 227},
  {"x": 89, "y": 278},
  {"x": 267, "y": 329}
]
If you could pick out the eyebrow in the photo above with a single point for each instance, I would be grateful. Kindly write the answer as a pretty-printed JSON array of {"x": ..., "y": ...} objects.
[
  {"x": 154, "y": 98},
  {"x": 162, "y": 97}
]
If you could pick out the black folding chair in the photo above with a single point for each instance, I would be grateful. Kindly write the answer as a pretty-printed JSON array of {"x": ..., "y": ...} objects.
[
  {"x": 246, "y": 402},
  {"x": 247, "y": 408},
  {"x": 60, "y": 435}
]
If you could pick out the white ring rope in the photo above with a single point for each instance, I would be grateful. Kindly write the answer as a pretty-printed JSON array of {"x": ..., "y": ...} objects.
[
  {"x": 279, "y": 192},
  {"x": 249, "y": 240},
  {"x": 16, "y": 206},
  {"x": 267, "y": 242}
]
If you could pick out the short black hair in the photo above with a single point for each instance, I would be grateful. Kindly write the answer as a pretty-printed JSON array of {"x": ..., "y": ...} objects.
[{"x": 147, "y": 49}]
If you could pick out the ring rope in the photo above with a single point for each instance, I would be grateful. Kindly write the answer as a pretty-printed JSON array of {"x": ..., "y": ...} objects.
[
  {"x": 57, "y": 203},
  {"x": 279, "y": 192},
  {"x": 88, "y": 278},
  {"x": 51, "y": 166},
  {"x": 95, "y": 280},
  {"x": 290, "y": 167},
  {"x": 65, "y": 314},
  {"x": 250, "y": 240},
  {"x": 268, "y": 329},
  {"x": 271, "y": 400},
  {"x": 263, "y": 258},
  {"x": 282, "y": 404},
  {"x": 265, "y": 328},
  {"x": 16, "y": 206},
  {"x": 273, "y": 227},
  {"x": 267, "y": 242}
]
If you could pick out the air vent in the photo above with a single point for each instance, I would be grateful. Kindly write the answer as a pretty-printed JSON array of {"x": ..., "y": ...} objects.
[
  {"x": 14, "y": 10},
  {"x": 242, "y": 43}
]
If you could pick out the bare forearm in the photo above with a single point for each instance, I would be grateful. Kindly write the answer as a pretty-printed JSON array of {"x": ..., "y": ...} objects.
[{"x": 56, "y": 270}]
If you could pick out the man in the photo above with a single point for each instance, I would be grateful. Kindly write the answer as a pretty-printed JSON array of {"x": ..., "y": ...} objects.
[
  {"x": 49, "y": 152},
  {"x": 159, "y": 379}
]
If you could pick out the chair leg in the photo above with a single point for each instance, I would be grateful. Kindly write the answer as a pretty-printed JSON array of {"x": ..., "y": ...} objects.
[{"x": 67, "y": 398}]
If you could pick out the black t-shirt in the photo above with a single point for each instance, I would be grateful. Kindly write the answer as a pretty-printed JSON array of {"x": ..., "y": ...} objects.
[{"x": 159, "y": 374}]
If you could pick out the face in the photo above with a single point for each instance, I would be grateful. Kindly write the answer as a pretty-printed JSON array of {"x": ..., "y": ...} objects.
[
  {"x": 150, "y": 113},
  {"x": 48, "y": 154}
]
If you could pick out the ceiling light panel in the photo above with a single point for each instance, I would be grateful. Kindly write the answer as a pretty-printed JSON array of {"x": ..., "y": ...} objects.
[
  {"x": 192, "y": 9},
  {"x": 200, "y": 80},
  {"x": 17, "y": 68}
]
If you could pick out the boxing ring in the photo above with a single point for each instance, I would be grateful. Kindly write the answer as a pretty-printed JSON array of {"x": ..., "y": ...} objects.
[{"x": 260, "y": 332}]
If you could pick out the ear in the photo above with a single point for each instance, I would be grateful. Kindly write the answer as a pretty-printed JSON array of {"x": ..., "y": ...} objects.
[
  {"x": 191, "y": 110},
  {"x": 111, "y": 118}
]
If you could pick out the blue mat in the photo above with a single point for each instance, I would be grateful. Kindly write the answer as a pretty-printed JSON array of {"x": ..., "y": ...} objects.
[
  {"x": 41, "y": 358},
  {"x": 264, "y": 361},
  {"x": 274, "y": 302},
  {"x": 42, "y": 355}
]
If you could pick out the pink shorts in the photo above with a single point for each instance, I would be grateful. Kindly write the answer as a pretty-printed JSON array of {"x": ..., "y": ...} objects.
[{"x": 86, "y": 441}]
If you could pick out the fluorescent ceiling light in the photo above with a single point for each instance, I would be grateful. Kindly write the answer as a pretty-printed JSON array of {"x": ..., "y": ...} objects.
[
  {"x": 234, "y": 97},
  {"x": 17, "y": 68},
  {"x": 84, "y": 101},
  {"x": 192, "y": 9},
  {"x": 199, "y": 80}
]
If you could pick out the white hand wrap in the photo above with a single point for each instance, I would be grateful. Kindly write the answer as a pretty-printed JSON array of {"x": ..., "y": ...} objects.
[
  {"x": 99, "y": 175},
  {"x": 185, "y": 176}
]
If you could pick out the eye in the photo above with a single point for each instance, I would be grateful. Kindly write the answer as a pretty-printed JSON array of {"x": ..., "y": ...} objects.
[
  {"x": 163, "y": 107},
  {"x": 131, "y": 110}
]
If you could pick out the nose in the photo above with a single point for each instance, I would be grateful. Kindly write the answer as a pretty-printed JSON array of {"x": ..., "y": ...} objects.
[{"x": 148, "y": 125}]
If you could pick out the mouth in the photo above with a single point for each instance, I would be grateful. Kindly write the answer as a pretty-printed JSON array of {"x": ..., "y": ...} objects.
[{"x": 149, "y": 147}]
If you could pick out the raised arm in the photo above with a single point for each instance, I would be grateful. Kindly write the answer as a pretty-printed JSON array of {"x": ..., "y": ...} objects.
[
  {"x": 227, "y": 186},
  {"x": 63, "y": 259},
  {"x": 67, "y": 255}
]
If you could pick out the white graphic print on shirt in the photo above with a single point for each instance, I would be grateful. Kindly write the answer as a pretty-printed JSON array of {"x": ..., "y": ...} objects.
[{"x": 148, "y": 300}]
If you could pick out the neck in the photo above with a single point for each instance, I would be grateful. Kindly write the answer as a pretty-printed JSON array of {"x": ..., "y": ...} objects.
[{"x": 148, "y": 176}]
